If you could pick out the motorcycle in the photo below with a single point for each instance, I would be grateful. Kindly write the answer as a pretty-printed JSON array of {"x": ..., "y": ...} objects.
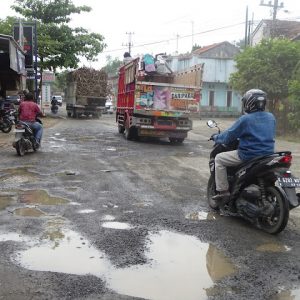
[
  {"x": 54, "y": 109},
  {"x": 7, "y": 119},
  {"x": 24, "y": 138},
  {"x": 262, "y": 190}
]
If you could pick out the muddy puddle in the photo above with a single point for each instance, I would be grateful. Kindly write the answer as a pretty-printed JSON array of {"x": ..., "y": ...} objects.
[
  {"x": 179, "y": 266},
  {"x": 28, "y": 212},
  {"x": 5, "y": 201},
  {"x": 287, "y": 295},
  {"x": 201, "y": 215},
  {"x": 17, "y": 175},
  {"x": 273, "y": 247},
  {"x": 40, "y": 197}
]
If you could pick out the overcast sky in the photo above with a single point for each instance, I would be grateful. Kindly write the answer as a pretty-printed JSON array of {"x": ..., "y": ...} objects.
[{"x": 168, "y": 26}]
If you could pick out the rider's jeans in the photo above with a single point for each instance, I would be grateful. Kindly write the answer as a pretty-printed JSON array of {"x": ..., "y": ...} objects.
[
  {"x": 223, "y": 160},
  {"x": 37, "y": 129}
]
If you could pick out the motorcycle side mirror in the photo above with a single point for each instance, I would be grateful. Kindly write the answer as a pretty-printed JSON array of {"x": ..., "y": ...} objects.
[{"x": 211, "y": 123}]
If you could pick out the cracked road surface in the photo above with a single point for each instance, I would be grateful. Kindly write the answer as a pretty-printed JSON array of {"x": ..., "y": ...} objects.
[{"x": 94, "y": 216}]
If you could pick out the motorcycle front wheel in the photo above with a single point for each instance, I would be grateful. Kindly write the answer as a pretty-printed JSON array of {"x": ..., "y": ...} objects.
[
  {"x": 6, "y": 126},
  {"x": 211, "y": 191},
  {"x": 20, "y": 147},
  {"x": 278, "y": 220}
]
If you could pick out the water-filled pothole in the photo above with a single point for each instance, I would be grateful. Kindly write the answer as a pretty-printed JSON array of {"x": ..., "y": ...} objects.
[
  {"x": 179, "y": 266},
  {"x": 273, "y": 247},
  {"x": 17, "y": 175},
  {"x": 28, "y": 212},
  {"x": 116, "y": 225},
  {"x": 287, "y": 295},
  {"x": 40, "y": 197},
  {"x": 5, "y": 201}
]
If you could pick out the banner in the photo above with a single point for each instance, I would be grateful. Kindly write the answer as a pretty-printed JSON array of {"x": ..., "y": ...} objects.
[
  {"x": 27, "y": 43},
  {"x": 167, "y": 98}
]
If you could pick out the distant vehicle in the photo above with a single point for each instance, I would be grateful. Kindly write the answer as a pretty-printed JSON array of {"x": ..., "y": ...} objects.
[
  {"x": 14, "y": 99},
  {"x": 86, "y": 92},
  {"x": 109, "y": 107},
  {"x": 58, "y": 98},
  {"x": 155, "y": 104}
]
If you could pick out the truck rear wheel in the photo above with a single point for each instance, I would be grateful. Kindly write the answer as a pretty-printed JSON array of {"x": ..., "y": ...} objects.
[
  {"x": 128, "y": 133},
  {"x": 176, "y": 140},
  {"x": 121, "y": 129}
]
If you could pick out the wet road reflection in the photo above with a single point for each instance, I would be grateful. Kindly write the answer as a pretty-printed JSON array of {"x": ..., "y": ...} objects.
[{"x": 179, "y": 266}]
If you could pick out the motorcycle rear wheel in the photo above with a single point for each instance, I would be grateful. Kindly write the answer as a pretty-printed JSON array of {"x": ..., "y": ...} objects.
[
  {"x": 211, "y": 191},
  {"x": 279, "y": 219},
  {"x": 20, "y": 148},
  {"x": 6, "y": 126}
]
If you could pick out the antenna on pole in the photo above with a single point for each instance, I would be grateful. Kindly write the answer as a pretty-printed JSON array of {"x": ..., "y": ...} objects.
[
  {"x": 129, "y": 44},
  {"x": 275, "y": 7}
]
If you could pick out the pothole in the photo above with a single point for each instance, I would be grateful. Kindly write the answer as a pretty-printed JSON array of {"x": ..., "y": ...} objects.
[
  {"x": 116, "y": 225},
  {"x": 40, "y": 197},
  {"x": 17, "y": 176},
  {"x": 86, "y": 211},
  {"x": 287, "y": 295},
  {"x": 172, "y": 259},
  {"x": 28, "y": 212},
  {"x": 5, "y": 201},
  {"x": 273, "y": 247},
  {"x": 108, "y": 218}
]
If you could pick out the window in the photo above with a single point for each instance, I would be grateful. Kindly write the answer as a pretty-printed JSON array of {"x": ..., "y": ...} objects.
[
  {"x": 229, "y": 98},
  {"x": 211, "y": 98}
]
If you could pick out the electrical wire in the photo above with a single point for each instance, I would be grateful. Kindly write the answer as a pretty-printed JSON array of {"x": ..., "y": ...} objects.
[{"x": 180, "y": 37}]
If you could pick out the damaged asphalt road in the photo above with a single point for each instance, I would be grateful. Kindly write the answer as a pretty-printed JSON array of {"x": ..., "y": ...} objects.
[{"x": 94, "y": 216}]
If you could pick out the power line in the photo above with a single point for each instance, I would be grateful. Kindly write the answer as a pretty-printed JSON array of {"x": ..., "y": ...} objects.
[{"x": 176, "y": 38}]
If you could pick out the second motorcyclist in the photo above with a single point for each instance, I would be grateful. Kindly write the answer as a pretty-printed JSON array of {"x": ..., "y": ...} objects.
[
  {"x": 28, "y": 111},
  {"x": 255, "y": 131}
]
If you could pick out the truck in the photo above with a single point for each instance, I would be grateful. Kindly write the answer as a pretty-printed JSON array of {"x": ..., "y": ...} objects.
[
  {"x": 86, "y": 92},
  {"x": 157, "y": 104}
]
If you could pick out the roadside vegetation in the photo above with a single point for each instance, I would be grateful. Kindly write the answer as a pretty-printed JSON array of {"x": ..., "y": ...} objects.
[{"x": 273, "y": 66}]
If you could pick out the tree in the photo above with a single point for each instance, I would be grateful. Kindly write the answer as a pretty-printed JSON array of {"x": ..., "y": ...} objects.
[
  {"x": 6, "y": 25},
  {"x": 268, "y": 66},
  {"x": 112, "y": 66},
  {"x": 60, "y": 46},
  {"x": 294, "y": 97}
]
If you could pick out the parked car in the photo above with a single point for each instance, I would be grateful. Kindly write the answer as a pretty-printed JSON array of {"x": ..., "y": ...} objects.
[
  {"x": 58, "y": 98},
  {"x": 109, "y": 107}
]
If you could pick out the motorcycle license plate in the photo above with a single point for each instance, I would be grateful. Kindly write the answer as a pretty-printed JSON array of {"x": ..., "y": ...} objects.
[
  {"x": 19, "y": 130},
  {"x": 289, "y": 181}
]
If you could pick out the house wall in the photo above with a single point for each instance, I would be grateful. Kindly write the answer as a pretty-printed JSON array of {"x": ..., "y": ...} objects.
[{"x": 218, "y": 65}]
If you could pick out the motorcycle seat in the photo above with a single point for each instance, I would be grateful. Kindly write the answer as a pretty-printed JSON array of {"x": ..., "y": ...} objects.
[{"x": 248, "y": 163}]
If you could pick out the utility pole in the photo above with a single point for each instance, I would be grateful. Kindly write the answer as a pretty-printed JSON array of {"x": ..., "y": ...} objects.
[
  {"x": 192, "y": 35},
  {"x": 275, "y": 7},
  {"x": 246, "y": 28},
  {"x": 177, "y": 38},
  {"x": 130, "y": 44}
]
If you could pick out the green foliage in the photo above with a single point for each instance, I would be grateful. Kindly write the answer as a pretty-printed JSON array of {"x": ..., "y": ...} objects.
[
  {"x": 267, "y": 66},
  {"x": 112, "y": 66},
  {"x": 195, "y": 47},
  {"x": 294, "y": 98},
  {"x": 60, "y": 46},
  {"x": 48, "y": 11},
  {"x": 6, "y": 25},
  {"x": 60, "y": 81}
]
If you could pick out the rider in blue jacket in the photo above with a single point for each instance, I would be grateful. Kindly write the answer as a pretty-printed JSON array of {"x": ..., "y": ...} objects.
[{"x": 255, "y": 131}]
